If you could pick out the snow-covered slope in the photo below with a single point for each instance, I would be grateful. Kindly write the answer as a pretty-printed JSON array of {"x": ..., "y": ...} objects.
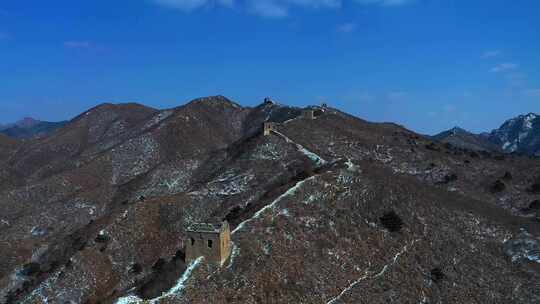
[{"x": 520, "y": 134}]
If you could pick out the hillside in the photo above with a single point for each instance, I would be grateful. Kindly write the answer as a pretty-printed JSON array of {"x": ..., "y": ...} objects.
[{"x": 97, "y": 212}]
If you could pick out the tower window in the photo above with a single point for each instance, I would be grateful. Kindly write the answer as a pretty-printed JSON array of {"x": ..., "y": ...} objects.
[
  {"x": 209, "y": 243},
  {"x": 192, "y": 241}
]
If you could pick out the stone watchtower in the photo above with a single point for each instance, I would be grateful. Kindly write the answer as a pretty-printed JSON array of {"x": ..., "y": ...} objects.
[
  {"x": 211, "y": 240},
  {"x": 308, "y": 113},
  {"x": 268, "y": 127}
]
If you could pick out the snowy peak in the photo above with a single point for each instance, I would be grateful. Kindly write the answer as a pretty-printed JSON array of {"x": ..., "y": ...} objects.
[{"x": 520, "y": 134}]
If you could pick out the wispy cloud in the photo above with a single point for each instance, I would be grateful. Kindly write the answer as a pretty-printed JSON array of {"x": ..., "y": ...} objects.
[
  {"x": 268, "y": 8},
  {"x": 532, "y": 93},
  {"x": 385, "y": 2},
  {"x": 271, "y": 8},
  {"x": 503, "y": 67},
  {"x": 190, "y": 5},
  {"x": 491, "y": 54},
  {"x": 77, "y": 44},
  {"x": 346, "y": 27},
  {"x": 281, "y": 8}
]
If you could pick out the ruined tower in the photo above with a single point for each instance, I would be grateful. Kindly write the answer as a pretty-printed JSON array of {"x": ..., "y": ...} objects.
[
  {"x": 308, "y": 113},
  {"x": 268, "y": 127},
  {"x": 211, "y": 240}
]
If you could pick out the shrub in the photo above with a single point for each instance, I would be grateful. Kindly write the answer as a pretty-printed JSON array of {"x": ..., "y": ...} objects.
[
  {"x": 180, "y": 255},
  {"x": 535, "y": 188},
  {"x": 448, "y": 179},
  {"x": 391, "y": 221},
  {"x": 433, "y": 147},
  {"x": 499, "y": 157},
  {"x": 437, "y": 275},
  {"x": 485, "y": 154},
  {"x": 136, "y": 268},
  {"x": 534, "y": 205},
  {"x": 31, "y": 269},
  {"x": 233, "y": 214},
  {"x": 79, "y": 243},
  {"x": 498, "y": 186},
  {"x": 159, "y": 265},
  {"x": 102, "y": 238}
]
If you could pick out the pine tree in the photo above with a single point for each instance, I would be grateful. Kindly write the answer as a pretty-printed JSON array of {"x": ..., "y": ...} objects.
[{"x": 391, "y": 221}]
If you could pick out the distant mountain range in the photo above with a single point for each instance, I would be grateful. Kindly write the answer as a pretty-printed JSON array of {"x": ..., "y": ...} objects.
[
  {"x": 27, "y": 128},
  {"x": 517, "y": 135}
]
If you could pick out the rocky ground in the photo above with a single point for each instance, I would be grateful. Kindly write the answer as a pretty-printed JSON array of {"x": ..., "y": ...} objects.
[{"x": 330, "y": 210}]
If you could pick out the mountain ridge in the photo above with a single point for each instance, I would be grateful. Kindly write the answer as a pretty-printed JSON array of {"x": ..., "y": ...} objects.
[
  {"x": 520, "y": 134},
  {"x": 97, "y": 212},
  {"x": 28, "y": 128}
]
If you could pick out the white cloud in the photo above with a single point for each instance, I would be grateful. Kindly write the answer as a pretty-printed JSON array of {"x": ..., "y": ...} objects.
[
  {"x": 503, "y": 67},
  {"x": 385, "y": 2},
  {"x": 190, "y": 5},
  {"x": 268, "y": 8},
  {"x": 346, "y": 27},
  {"x": 281, "y": 8},
  {"x": 77, "y": 44},
  {"x": 491, "y": 54},
  {"x": 271, "y": 8},
  {"x": 532, "y": 93}
]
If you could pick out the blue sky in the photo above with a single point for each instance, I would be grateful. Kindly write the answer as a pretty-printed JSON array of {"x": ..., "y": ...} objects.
[{"x": 426, "y": 64}]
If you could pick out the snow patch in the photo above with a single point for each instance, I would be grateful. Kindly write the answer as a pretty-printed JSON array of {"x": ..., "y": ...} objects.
[
  {"x": 38, "y": 231},
  {"x": 230, "y": 184},
  {"x": 371, "y": 275},
  {"x": 285, "y": 212},
  {"x": 314, "y": 157},
  {"x": 523, "y": 247},
  {"x": 235, "y": 252},
  {"x": 351, "y": 166},
  {"x": 268, "y": 151},
  {"x": 173, "y": 292},
  {"x": 272, "y": 205}
]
